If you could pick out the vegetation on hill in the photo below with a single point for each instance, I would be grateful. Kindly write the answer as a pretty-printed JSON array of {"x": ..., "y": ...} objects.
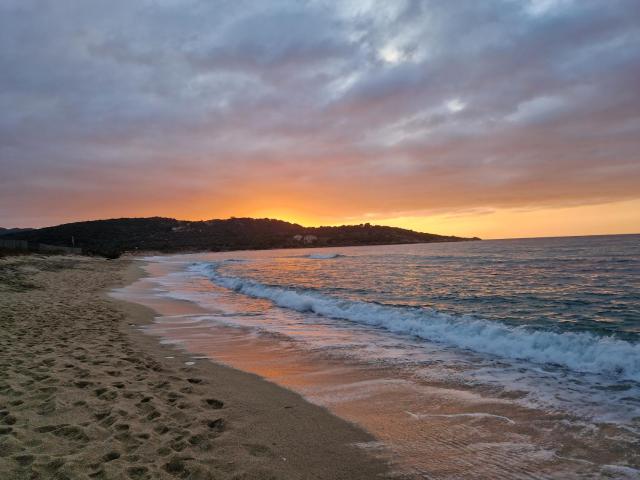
[
  {"x": 112, "y": 237},
  {"x": 6, "y": 231}
]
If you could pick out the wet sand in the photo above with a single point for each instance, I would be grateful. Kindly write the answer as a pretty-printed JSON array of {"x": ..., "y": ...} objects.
[
  {"x": 84, "y": 393},
  {"x": 430, "y": 429}
]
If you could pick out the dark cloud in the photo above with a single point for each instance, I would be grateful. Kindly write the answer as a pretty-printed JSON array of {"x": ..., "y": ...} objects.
[{"x": 147, "y": 107}]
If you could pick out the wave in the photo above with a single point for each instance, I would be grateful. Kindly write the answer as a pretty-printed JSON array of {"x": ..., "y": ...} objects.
[
  {"x": 323, "y": 256},
  {"x": 318, "y": 256},
  {"x": 581, "y": 352}
]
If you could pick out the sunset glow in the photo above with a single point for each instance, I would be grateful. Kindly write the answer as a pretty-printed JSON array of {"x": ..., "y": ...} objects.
[{"x": 505, "y": 118}]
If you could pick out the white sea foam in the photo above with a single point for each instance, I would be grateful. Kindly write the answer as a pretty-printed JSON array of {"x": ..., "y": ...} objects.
[
  {"x": 621, "y": 471},
  {"x": 581, "y": 352},
  {"x": 419, "y": 416},
  {"x": 323, "y": 256}
]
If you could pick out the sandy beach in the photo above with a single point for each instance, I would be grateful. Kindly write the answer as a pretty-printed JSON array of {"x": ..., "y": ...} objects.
[
  {"x": 436, "y": 412},
  {"x": 85, "y": 394}
]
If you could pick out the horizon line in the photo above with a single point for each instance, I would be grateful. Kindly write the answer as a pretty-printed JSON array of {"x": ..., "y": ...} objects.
[{"x": 321, "y": 226}]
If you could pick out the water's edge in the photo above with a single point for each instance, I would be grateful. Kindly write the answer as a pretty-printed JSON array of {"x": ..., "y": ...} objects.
[{"x": 389, "y": 403}]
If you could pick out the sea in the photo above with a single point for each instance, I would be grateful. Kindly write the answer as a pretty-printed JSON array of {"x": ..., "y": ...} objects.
[{"x": 486, "y": 359}]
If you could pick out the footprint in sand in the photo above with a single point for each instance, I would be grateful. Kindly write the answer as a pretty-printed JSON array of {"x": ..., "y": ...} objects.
[
  {"x": 161, "y": 429},
  {"x": 200, "y": 441},
  {"x": 153, "y": 415},
  {"x": 71, "y": 433},
  {"x": 48, "y": 428},
  {"x": 216, "y": 425},
  {"x": 176, "y": 466},
  {"x": 178, "y": 446},
  {"x": 213, "y": 403},
  {"x": 137, "y": 472},
  {"x": 109, "y": 457},
  {"x": 8, "y": 419},
  {"x": 23, "y": 460}
]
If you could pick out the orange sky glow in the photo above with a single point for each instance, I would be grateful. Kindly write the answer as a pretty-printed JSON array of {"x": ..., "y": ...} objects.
[{"x": 494, "y": 119}]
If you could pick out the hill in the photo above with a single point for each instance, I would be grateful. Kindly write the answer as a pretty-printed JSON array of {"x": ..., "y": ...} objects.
[
  {"x": 114, "y": 236},
  {"x": 6, "y": 231}
]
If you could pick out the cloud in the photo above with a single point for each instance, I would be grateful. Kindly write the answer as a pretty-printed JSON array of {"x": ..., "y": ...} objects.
[{"x": 336, "y": 109}]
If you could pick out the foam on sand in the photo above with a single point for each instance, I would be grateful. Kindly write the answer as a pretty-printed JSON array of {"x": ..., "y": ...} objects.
[{"x": 419, "y": 416}]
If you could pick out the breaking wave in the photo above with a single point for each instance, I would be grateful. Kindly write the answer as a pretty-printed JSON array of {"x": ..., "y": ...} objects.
[
  {"x": 323, "y": 256},
  {"x": 581, "y": 352}
]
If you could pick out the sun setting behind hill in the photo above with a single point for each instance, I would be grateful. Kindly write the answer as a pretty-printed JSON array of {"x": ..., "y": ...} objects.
[
  {"x": 319, "y": 239},
  {"x": 497, "y": 119}
]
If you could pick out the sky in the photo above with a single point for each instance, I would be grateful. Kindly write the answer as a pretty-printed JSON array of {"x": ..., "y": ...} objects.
[{"x": 495, "y": 118}]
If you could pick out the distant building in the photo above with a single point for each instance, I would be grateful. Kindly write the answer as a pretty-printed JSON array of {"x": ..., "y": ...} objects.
[{"x": 306, "y": 239}]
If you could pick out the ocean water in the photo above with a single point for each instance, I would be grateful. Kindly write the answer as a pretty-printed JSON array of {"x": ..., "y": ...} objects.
[{"x": 545, "y": 326}]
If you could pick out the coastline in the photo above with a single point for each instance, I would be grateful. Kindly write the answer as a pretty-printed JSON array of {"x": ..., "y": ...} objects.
[
  {"x": 429, "y": 425},
  {"x": 84, "y": 392}
]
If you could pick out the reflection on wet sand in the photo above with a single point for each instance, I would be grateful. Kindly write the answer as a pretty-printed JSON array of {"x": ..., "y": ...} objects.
[{"x": 433, "y": 429}]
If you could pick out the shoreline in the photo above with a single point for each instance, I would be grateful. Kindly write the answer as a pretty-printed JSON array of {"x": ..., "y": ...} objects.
[
  {"x": 85, "y": 392},
  {"x": 236, "y": 383},
  {"x": 431, "y": 426}
]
